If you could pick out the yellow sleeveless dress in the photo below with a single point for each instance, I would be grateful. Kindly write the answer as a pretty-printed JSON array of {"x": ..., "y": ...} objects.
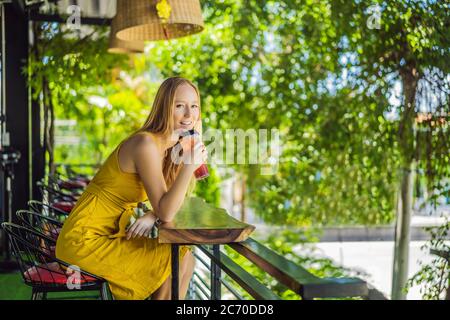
[{"x": 93, "y": 236}]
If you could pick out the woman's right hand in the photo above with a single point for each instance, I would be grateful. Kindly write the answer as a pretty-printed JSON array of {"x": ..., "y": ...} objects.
[{"x": 142, "y": 226}]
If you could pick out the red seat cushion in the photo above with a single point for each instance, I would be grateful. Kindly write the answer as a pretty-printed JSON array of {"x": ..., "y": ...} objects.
[
  {"x": 66, "y": 206},
  {"x": 73, "y": 184},
  {"x": 82, "y": 179},
  {"x": 52, "y": 273}
]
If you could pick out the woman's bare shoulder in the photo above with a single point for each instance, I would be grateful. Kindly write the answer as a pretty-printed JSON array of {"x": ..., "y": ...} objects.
[
  {"x": 143, "y": 141},
  {"x": 135, "y": 148}
]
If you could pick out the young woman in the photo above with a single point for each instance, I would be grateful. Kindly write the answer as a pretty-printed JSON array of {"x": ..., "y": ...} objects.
[{"x": 95, "y": 236}]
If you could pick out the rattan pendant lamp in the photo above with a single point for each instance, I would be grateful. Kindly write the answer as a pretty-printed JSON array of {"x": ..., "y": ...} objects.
[
  {"x": 151, "y": 20},
  {"x": 117, "y": 45}
]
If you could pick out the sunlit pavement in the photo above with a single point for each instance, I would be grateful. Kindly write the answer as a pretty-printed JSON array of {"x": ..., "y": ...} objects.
[{"x": 375, "y": 258}]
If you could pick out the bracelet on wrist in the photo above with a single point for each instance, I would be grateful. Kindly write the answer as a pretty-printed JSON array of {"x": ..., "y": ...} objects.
[{"x": 155, "y": 232}]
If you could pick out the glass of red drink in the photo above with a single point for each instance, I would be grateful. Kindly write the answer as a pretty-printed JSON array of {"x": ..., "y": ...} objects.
[{"x": 202, "y": 171}]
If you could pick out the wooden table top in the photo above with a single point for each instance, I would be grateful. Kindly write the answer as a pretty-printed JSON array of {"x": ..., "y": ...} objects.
[{"x": 198, "y": 222}]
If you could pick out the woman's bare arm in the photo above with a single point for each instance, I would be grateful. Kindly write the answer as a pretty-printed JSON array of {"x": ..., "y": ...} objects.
[{"x": 148, "y": 162}]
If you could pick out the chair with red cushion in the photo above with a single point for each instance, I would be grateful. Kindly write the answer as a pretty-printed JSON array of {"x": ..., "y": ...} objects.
[
  {"x": 42, "y": 271},
  {"x": 39, "y": 222},
  {"x": 51, "y": 193},
  {"x": 65, "y": 206},
  {"x": 47, "y": 210},
  {"x": 74, "y": 175},
  {"x": 74, "y": 185}
]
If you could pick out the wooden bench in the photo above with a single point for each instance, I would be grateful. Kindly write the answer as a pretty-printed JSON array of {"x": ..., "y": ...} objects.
[{"x": 201, "y": 224}]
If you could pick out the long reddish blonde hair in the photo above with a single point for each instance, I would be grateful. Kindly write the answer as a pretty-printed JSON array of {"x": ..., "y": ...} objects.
[{"x": 160, "y": 121}]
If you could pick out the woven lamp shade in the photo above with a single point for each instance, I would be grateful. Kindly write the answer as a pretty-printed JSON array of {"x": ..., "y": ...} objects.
[
  {"x": 139, "y": 20},
  {"x": 121, "y": 46}
]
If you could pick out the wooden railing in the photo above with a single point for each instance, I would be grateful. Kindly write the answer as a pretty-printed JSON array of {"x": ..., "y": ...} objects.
[{"x": 208, "y": 228}]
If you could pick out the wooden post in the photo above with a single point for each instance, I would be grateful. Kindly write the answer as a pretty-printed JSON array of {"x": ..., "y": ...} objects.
[
  {"x": 216, "y": 293},
  {"x": 15, "y": 99},
  {"x": 175, "y": 272}
]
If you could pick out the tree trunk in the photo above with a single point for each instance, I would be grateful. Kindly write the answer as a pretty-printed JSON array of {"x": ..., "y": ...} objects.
[
  {"x": 402, "y": 234},
  {"x": 406, "y": 138}
]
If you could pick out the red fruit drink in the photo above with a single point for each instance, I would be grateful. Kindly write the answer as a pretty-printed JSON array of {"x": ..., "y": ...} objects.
[{"x": 202, "y": 171}]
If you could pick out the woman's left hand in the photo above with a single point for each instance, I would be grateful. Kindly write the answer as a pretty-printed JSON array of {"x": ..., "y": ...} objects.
[{"x": 142, "y": 226}]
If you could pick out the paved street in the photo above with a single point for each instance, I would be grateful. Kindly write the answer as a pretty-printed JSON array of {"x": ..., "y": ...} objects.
[{"x": 375, "y": 258}]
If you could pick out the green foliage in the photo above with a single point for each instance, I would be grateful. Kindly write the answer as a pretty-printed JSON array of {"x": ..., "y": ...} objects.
[
  {"x": 434, "y": 277},
  {"x": 281, "y": 65},
  {"x": 312, "y": 69},
  {"x": 75, "y": 70},
  {"x": 208, "y": 189},
  {"x": 412, "y": 48}
]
